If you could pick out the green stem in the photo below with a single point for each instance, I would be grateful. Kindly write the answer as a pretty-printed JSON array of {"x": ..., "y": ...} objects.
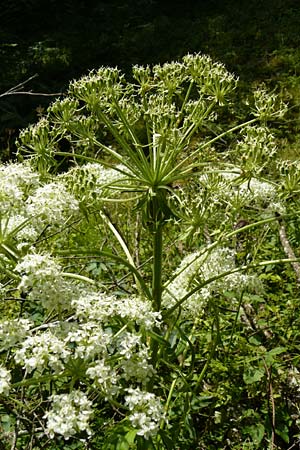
[
  {"x": 184, "y": 162},
  {"x": 210, "y": 357},
  {"x": 168, "y": 402},
  {"x": 8, "y": 251},
  {"x": 122, "y": 243},
  {"x": 76, "y": 276},
  {"x": 157, "y": 267},
  {"x": 234, "y": 325},
  {"x": 156, "y": 287}
]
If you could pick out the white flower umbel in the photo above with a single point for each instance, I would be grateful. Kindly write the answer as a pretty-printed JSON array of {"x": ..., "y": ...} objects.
[
  {"x": 16, "y": 182},
  {"x": 13, "y": 331},
  {"x": 35, "y": 268},
  {"x": 89, "y": 340},
  {"x": 42, "y": 280},
  {"x": 100, "y": 307},
  {"x": 43, "y": 351},
  {"x": 5, "y": 379},
  {"x": 200, "y": 267},
  {"x": 262, "y": 195},
  {"x": 146, "y": 412},
  {"x": 51, "y": 204},
  {"x": 70, "y": 414},
  {"x": 181, "y": 284}
]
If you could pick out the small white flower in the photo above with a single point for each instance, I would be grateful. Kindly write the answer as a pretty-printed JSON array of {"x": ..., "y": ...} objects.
[
  {"x": 26, "y": 233},
  {"x": 16, "y": 181},
  {"x": 90, "y": 340},
  {"x": 257, "y": 190},
  {"x": 200, "y": 266}
]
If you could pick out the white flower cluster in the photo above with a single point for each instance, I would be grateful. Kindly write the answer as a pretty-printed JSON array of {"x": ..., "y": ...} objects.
[
  {"x": 51, "y": 204},
  {"x": 43, "y": 281},
  {"x": 27, "y": 232},
  {"x": 104, "y": 378},
  {"x": 135, "y": 358},
  {"x": 5, "y": 379},
  {"x": 259, "y": 191},
  {"x": 102, "y": 336},
  {"x": 27, "y": 207},
  {"x": 37, "y": 267},
  {"x": 182, "y": 283},
  {"x": 13, "y": 331},
  {"x": 43, "y": 350},
  {"x": 104, "y": 176},
  {"x": 70, "y": 413},
  {"x": 261, "y": 194},
  {"x": 146, "y": 411},
  {"x": 100, "y": 307},
  {"x": 16, "y": 181},
  {"x": 201, "y": 267},
  {"x": 89, "y": 340}
]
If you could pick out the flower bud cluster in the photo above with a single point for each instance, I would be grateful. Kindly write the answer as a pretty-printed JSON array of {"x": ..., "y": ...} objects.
[{"x": 92, "y": 181}]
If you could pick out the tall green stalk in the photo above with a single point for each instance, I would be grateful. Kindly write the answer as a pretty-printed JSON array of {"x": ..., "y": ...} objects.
[
  {"x": 157, "y": 266},
  {"x": 157, "y": 241}
]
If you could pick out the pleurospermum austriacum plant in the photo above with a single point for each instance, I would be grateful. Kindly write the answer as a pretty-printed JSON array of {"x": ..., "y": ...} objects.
[{"x": 125, "y": 251}]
